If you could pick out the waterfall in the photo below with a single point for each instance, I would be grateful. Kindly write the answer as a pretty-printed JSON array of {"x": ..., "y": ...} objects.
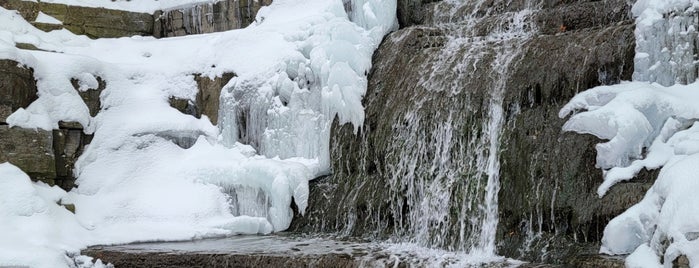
[{"x": 442, "y": 150}]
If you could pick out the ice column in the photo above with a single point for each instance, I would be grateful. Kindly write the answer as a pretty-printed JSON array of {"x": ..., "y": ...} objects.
[{"x": 666, "y": 46}]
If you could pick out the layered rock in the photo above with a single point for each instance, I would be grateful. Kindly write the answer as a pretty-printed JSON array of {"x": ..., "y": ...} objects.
[
  {"x": 17, "y": 88},
  {"x": 93, "y": 22},
  {"x": 207, "y": 17},
  {"x": 107, "y": 23},
  {"x": 416, "y": 171},
  {"x": 30, "y": 150},
  {"x": 47, "y": 156}
]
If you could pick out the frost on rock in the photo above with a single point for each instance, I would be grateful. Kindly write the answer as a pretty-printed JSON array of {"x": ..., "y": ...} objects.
[{"x": 300, "y": 66}]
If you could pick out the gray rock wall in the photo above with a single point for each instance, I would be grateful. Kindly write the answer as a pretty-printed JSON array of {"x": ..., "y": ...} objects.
[
  {"x": 93, "y": 22},
  {"x": 207, "y": 17}
]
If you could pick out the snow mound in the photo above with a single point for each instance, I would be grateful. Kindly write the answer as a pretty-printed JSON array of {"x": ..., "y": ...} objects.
[
  {"x": 647, "y": 126},
  {"x": 33, "y": 224}
]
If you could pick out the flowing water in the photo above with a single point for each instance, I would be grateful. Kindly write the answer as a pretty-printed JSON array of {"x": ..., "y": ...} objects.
[{"x": 444, "y": 162}]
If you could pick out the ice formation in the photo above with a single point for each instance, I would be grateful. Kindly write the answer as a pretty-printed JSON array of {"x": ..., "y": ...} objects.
[
  {"x": 651, "y": 124},
  {"x": 302, "y": 64}
]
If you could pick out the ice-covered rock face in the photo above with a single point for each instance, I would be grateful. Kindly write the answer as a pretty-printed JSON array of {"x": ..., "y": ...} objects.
[
  {"x": 289, "y": 114},
  {"x": 651, "y": 126},
  {"x": 154, "y": 173},
  {"x": 666, "y": 41}
]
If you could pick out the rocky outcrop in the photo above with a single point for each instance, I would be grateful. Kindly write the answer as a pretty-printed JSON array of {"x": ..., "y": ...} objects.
[
  {"x": 207, "y": 17},
  {"x": 417, "y": 170},
  {"x": 107, "y": 23},
  {"x": 207, "y": 99},
  {"x": 17, "y": 88},
  {"x": 47, "y": 156},
  {"x": 93, "y": 22},
  {"x": 68, "y": 144},
  {"x": 30, "y": 150}
]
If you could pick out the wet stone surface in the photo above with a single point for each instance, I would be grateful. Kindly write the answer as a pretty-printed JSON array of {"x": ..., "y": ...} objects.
[{"x": 281, "y": 251}]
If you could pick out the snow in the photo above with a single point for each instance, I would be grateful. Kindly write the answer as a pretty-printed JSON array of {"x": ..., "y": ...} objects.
[
  {"x": 36, "y": 231},
  {"x": 43, "y": 18},
  {"x": 301, "y": 65},
  {"x": 665, "y": 45},
  {"x": 649, "y": 125}
]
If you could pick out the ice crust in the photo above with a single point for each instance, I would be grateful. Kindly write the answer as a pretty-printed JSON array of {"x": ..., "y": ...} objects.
[
  {"x": 649, "y": 124},
  {"x": 301, "y": 65}
]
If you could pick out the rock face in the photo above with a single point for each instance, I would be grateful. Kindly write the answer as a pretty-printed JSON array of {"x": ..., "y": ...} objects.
[
  {"x": 17, "y": 88},
  {"x": 93, "y": 22},
  {"x": 470, "y": 80},
  {"x": 207, "y": 17},
  {"x": 30, "y": 150},
  {"x": 207, "y": 99},
  {"x": 47, "y": 156},
  {"x": 68, "y": 144}
]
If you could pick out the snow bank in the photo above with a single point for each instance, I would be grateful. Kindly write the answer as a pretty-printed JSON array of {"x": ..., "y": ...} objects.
[
  {"x": 648, "y": 126},
  {"x": 154, "y": 173},
  {"x": 36, "y": 232}
]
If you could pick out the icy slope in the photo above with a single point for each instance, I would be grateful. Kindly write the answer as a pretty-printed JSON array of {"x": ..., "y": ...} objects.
[{"x": 299, "y": 66}]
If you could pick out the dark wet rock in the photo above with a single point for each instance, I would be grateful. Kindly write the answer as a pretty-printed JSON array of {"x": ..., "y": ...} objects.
[
  {"x": 68, "y": 145},
  {"x": 412, "y": 12},
  {"x": 132, "y": 259},
  {"x": 17, "y": 88},
  {"x": 207, "y": 17},
  {"x": 597, "y": 261},
  {"x": 548, "y": 177},
  {"x": 91, "y": 96},
  {"x": 272, "y": 251},
  {"x": 93, "y": 22}
]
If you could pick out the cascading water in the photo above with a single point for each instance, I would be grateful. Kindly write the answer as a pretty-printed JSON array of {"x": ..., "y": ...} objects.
[
  {"x": 456, "y": 192},
  {"x": 431, "y": 151}
]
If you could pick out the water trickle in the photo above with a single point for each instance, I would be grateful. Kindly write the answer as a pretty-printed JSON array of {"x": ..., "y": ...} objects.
[{"x": 442, "y": 156}]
